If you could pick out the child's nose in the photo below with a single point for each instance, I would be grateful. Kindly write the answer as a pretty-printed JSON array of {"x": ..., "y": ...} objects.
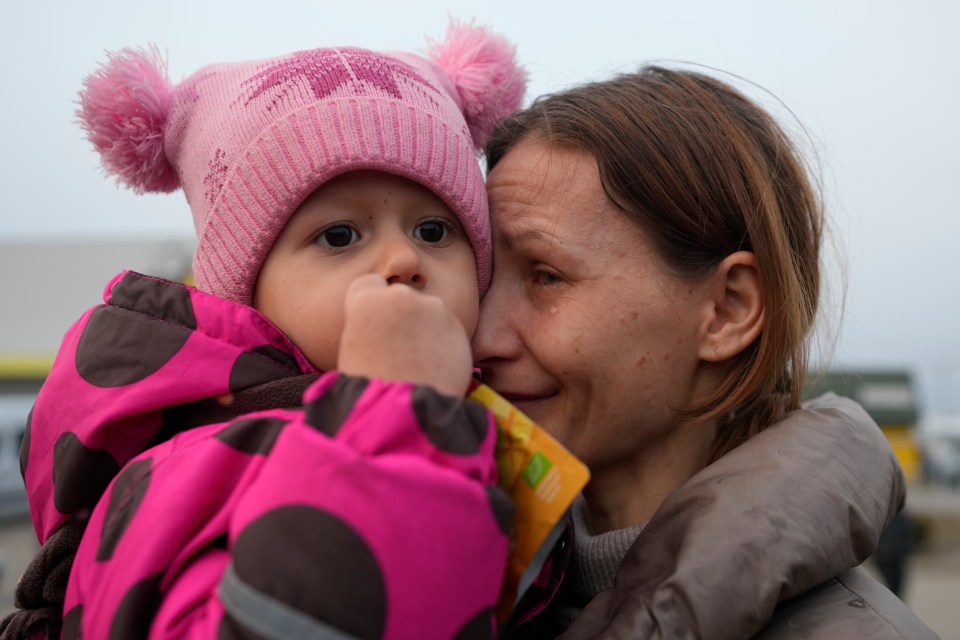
[{"x": 401, "y": 264}]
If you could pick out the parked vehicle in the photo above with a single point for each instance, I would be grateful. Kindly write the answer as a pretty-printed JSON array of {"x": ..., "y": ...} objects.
[
  {"x": 940, "y": 437},
  {"x": 19, "y": 383}
]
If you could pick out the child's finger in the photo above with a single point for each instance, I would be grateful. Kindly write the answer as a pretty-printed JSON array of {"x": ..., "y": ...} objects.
[{"x": 366, "y": 282}]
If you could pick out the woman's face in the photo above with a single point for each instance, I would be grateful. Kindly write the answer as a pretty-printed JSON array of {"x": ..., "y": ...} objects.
[{"x": 583, "y": 329}]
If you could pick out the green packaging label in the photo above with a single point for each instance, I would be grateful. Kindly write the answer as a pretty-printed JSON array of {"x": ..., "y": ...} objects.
[{"x": 537, "y": 468}]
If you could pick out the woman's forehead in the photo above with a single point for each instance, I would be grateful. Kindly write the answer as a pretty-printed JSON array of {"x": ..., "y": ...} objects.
[
  {"x": 541, "y": 180},
  {"x": 533, "y": 164},
  {"x": 541, "y": 192}
]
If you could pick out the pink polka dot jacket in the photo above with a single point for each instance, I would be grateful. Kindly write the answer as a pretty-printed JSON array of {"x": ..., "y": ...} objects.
[{"x": 365, "y": 509}]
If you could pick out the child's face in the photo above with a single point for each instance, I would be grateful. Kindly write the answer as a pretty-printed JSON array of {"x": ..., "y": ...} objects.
[{"x": 358, "y": 223}]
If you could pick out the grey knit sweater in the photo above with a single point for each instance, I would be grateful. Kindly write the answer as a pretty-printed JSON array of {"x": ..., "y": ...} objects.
[{"x": 593, "y": 564}]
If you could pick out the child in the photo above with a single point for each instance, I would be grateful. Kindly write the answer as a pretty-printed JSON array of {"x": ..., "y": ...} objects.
[{"x": 283, "y": 452}]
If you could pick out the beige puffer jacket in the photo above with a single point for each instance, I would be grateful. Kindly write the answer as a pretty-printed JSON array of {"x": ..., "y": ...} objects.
[{"x": 764, "y": 543}]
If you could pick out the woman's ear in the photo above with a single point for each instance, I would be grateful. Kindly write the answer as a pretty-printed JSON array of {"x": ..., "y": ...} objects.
[{"x": 736, "y": 318}]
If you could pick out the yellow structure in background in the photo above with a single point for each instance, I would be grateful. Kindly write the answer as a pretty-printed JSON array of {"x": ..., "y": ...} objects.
[
  {"x": 25, "y": 367},
  {"x": 907, "y": 450}
]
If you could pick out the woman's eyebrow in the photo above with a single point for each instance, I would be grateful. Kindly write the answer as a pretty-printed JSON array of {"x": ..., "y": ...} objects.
[
  {"x": 544, "y": 242},
  {"x": 511, "y": 238}
]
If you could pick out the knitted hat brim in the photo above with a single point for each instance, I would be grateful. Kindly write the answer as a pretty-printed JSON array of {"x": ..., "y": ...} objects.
[{"x": 301, "y": 151}]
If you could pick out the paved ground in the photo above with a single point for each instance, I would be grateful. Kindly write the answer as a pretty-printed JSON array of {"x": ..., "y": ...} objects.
[
  {"x": 932, "y": 586},
  {"x": 932, "y": 590}
]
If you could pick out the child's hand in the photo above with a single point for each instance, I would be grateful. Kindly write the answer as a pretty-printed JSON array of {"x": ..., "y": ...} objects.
[{"x": 394, "y": 332}]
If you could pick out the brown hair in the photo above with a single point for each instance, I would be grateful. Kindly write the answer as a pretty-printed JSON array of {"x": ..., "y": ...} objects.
[{"x": 705, "y": 172}]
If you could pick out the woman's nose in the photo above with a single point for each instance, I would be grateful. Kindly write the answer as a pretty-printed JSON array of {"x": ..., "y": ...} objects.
[{"x": 401, "y": 264}]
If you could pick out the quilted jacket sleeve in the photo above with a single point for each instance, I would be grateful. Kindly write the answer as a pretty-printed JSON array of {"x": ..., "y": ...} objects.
[
  {"x": 791, "y": 508},
  {"x": 372, "y": 512}
]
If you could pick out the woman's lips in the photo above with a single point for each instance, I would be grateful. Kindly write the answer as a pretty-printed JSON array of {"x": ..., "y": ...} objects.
[{"x": 529, "y": 403}]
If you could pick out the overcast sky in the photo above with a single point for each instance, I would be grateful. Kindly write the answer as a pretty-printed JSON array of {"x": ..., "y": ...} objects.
[{"x": 876, "y": 84}]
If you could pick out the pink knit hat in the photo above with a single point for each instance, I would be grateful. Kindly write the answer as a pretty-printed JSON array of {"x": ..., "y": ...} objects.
[{"x": 249, "y": 141}]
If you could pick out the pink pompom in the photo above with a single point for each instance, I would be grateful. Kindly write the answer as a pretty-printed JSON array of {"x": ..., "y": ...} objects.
[
  {"x": 123, "y": 109},
  {"x": 483, "y": 66}
]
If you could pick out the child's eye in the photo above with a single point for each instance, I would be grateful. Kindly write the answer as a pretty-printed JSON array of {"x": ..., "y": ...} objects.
[
  {"x": 337, "y": 236},
  {"x": 432, "y": 231}
]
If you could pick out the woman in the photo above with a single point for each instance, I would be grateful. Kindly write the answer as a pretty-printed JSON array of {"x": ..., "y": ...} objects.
[{"x": 656, "y": 277}]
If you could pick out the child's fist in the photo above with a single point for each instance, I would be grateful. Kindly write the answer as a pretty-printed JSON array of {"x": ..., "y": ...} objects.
[{"x": 394, "y": 332}]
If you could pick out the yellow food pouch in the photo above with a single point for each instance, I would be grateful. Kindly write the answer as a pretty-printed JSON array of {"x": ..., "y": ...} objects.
[{"x": 541, "y": 476}]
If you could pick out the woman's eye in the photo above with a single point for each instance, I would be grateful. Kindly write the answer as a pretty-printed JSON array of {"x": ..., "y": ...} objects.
[
  {"x": 338, "y": 236},
  {"x": 432, "y": 231},
  {"x": 545, "y": 278}
]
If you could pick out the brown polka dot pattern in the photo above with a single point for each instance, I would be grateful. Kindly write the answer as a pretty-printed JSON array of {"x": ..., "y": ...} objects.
[
  {"x": 111, "y": 354},
  {"x": 254, "y": 435},
  {"x": 137, "y": 609},
  {"x": 503, "y": 508},
  {"x": 328, "y": 412},
  {"x": 441, "y": 418},
  {"x": 114, "y": 352},
  {"x": 25, "y": 446},
  {"x": 71, "y": 624},
  {"x": 479, "y": 627},
  {"x": 125, "y": 499},
  {"x": 143, "y": 295},
  {"x": 73, "y": 460},
  {"x": 282, "y": 357},
  {"x": 261, "y": 365},
  {"x": 345, "y": 587},
  {"x": 186, "y": 416}
]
